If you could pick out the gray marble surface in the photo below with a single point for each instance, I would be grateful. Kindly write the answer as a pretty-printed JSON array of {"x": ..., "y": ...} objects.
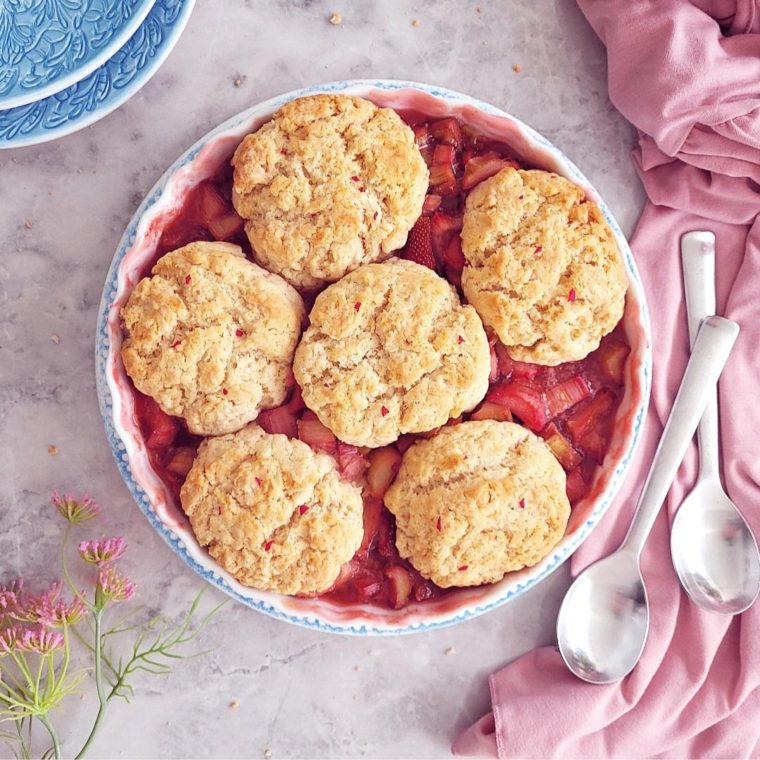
[{"x": 63, "y": 207}]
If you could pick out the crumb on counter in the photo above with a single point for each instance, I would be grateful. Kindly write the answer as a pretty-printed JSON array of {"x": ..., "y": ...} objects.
[
  {"x": 517, "y": 68},
  {"x": 28, "y": 224},
  {"x": 237, "y": 82},
  {"x": 234, "y": 704},
  {"x": 55, "y": 338},
  {"x": 357, "y": 668},
  {"x": 450, "y": 652},
  {"x": 415, "y": 22},
  {"x": 478, "y": 9},
  {"x": 267, "y": 752},
  {"x": 52, "y": 450},
  {"x": 335, "y": 18}
]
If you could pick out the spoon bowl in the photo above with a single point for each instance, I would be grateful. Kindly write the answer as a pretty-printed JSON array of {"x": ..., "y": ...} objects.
[
  {"x": 605, "y": 645},
  {"x": 714, "y": 551}
]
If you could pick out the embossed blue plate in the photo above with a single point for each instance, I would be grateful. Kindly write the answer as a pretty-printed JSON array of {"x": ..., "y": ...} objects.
[
  {"x": 104, "y": 89},
  {"x": 47, "y": 46},
  {"x": 137, "y": 248}
]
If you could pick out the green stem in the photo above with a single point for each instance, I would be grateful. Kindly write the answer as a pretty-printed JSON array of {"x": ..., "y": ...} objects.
[
  {"x": 53, "y": 735},
  {"x": 98, "y": 683}
]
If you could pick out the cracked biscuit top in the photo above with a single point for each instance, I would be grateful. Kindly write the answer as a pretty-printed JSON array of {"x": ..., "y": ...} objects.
[
  {"x": 476, "y": 501},
  {"x": 330, "y": 183},
  {"x": 389, "y": 350},
  {"x": 543, "y": 270},
  {"x": 272, "y": 512},
  {"x": 210, "y": 336}
]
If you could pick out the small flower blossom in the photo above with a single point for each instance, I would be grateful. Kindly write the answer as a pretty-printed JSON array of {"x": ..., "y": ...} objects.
[
  {"x": 9, "y": 639},
  {"x": 40, "y": 640},
  {"x": 51, "y": 610},
  {"x": 76, "y": 511},
  {"x": 9, "y": 598},
  {"x": 100, "y": 552},
  {"x": 115, "y": 587}
]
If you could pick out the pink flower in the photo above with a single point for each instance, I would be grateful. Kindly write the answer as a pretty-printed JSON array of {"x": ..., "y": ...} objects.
[
  {"x": 9, "y": 597},
  {"x": 49, "y": 609},
  {"x": 100, "y": 552},
  {"x": 9, "y": 639},
  {"x": 39, "y": 640},
  {"x": 76, "y": 511},
  {"x": 115, "y": 586}
]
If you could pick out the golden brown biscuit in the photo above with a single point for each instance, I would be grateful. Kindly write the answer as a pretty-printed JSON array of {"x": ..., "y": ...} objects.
[
  {"x": 210, "y": 336},
  {"x": 476, "y": 501},
  {"x": 544, "y": 269},
  {"x": 272, "y": 512},
  {"x": 331, "y": 182},
  {"x": 391, "y": 350}
]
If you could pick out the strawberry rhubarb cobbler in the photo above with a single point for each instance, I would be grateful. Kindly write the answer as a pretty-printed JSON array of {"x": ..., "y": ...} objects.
[{"x": 377, "y": 357}]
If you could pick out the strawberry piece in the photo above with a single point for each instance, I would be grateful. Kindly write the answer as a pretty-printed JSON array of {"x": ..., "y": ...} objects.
[
  {"x": 384, "y": 464},
  {"x": 612, "y": 355},
  {"x": 568, "y": 393},
  {"x": 442, "y": 179},
  {"x": 442, "y": 228},
  {"x": 373, "y": 510},
  {"x": 351, "y": 461},
  {"x": 216, "y": 214},
  {"x": 447, "y": 131},
  {"x": 399, "y": 585},
  {"x": 482, "y": 167},
  {"x": 279, "y": 420},
  {"x": 419, "y": 246},
  {"x": 562, "y": 449},
  {"x": 488, "y": 410},
  {"x": 313, "y": 432},
  {"x": 423, "y": 590},
  {"x": 296, "y": 402},
  {"x": 444, "y": 154},
  {"x": 431, "y": 204},
  {"x": 523, "y": 401},
  {"x": 181, "y": 461},
  {"x": 584, "y": 419},
  {"x": 576, "y": 487}
]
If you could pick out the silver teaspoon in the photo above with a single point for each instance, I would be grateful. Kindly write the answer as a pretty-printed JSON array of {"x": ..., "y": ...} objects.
[
  {"x": 713, "y": 549},
  {"x": 604, "y": 618}
]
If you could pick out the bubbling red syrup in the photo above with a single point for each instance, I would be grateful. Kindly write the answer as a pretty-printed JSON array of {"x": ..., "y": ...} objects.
[{"x": 572, "y": 406}]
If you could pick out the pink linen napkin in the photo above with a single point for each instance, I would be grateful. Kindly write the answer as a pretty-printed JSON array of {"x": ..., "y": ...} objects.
[{"x": 687, "y": 75}]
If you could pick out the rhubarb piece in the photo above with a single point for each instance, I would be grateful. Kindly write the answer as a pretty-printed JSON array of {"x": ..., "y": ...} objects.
[
  {"x": 583, "y": 419},
  {"x": 383, "y": 466},
  {"x": 313, "y": 432},
  {"x": 482, "y": 167},
  {"x": 523, "y": 401},
  {"x": 488, "y": 410},
  {"x": 576, "y": 486},
  {"x": 443, "y": 180},
  {"x": 442, "y": 228},
  {"x": 611, "y": 356},
  {"x": 565, "y": 395},
  {"x": 405, "y": 441},
  {"x": 419, "y": 246},
  {"x": 295, "y": 403},
  {"x": 444, "y": 154},
  {"x": 399, "y": 585},
  {"x": 159, "y": 428},
  {"x": 279, "y": 420},
  {"x": 453, "y": 258},
  {"x": 181, "y": 461},
  {"x": 494, "y": 374},
  {"x": 431, "y": 204},
  {"x": 511, "y": 369},
  {"x": 351, "y": 461},
  {"x": 386, "y": 535},
  {"x": 595, "y": 442},
  {"x": 216, "y": 214},
  {"x": 566, "y": 455},
  {"x": 447, "y": 131},
  {"x": 373, "y": 510},
  {"x": 422, "y": 136}
]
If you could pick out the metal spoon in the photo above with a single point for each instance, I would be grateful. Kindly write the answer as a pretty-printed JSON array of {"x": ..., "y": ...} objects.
[
  {"x": 713, "y": 549},
  {"x": 604, "y": 619}
]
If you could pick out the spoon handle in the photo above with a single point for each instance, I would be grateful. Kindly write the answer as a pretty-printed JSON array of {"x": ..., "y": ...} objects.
[
  {"x": 698, "y": 259},
  {"x": 712, "y": 347}
]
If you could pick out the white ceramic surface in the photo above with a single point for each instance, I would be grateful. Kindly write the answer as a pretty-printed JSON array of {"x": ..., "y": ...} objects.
[{"x": 138, "y": 248}]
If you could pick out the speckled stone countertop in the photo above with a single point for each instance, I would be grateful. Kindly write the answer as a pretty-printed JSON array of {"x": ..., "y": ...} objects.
[{"x": 63, "y": 207}]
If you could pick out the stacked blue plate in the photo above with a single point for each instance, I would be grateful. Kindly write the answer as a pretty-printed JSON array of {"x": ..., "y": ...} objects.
[{"x": 65, "y": 64}]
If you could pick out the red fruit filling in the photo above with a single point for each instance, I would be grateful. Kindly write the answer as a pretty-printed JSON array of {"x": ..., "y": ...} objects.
[{"x": 572, "y": 406}]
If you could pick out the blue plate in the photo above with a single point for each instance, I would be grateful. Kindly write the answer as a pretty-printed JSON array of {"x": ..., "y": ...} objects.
[
  {"x": 104, "y": 89},
  {"x": 48, "y": 45}
]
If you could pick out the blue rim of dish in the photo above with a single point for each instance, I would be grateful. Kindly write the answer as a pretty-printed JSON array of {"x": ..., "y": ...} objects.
[
  {"x": 47, "y": 47},
  {"x": 106, "y": 88},
  {"x": 102, "y": 347}
]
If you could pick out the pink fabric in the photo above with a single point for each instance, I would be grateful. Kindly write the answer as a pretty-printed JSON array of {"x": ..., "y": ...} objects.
[{"x": 687, "y": 75}]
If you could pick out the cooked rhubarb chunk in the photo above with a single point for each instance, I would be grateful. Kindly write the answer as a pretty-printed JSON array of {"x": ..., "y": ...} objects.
[
  {"x": 383, "y": 466},
  {"x": 525, "y": 402}
]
